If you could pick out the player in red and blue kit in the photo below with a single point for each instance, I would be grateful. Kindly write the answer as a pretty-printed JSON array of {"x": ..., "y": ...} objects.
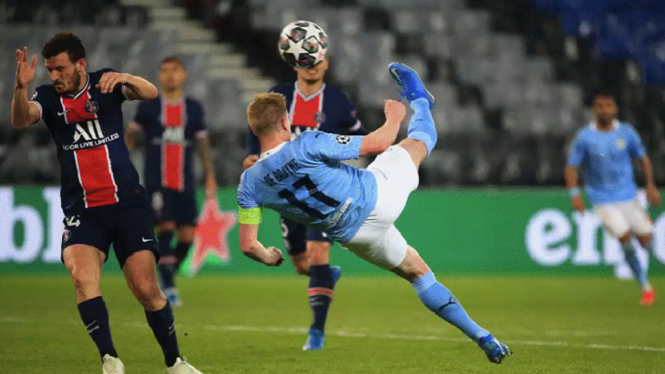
[
  {"x": 172, "y": 125},
  {"x": 102, "y": 200},
  {"x": 313, "y": 106}
]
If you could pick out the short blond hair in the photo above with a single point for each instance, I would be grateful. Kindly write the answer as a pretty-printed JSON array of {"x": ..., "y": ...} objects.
[{"x": 265, "y": 112}]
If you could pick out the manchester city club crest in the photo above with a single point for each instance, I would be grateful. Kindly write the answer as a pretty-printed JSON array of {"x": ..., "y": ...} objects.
[
  {"x": 621, "y": 144},
  {"x": 91, "y": 107},
  {"x": 319, "y": 117}
]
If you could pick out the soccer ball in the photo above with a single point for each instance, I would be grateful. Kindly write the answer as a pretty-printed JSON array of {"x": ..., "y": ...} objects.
[{"x": 303, "y": 44}]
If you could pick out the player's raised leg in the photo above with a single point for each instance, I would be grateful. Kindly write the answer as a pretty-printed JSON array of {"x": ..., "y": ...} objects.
[
  {"x": 421, "y": 135},
  {"x": 421, "y": 140},
  {"x": 84, "y": 263},
  {"x": 443, "y": 303}
]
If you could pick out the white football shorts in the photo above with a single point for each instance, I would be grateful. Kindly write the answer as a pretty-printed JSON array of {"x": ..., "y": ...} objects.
[
  {"x": 624, "y": 217},
  {"x": 378, "y": 241}
]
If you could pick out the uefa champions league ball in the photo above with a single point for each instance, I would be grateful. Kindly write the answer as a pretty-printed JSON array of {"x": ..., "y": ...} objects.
[{"x": 303, "y": 44}]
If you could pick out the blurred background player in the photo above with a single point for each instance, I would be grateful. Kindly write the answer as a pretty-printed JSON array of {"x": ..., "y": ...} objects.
[
  {"x": 173, "y": 124},
  {"x": 357, "y": 207},
  {"x": 102, "y": 199},
  {"x": 313, "y": 105},
  {"x": 604, "y": 150}
]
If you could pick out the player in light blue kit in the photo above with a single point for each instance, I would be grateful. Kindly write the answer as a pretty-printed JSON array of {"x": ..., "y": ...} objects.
[
  {"x": 604, "y": 150},
  {"x": 306, "y": 181}
]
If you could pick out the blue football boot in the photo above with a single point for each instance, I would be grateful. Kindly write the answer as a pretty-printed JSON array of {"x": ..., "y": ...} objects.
[
  {"x": 314, "y": 340},
  {"x": 337, "y": 272},
  {"x": 173, "y": 297},
  {"x": 412, "y": 87},
  {"x": 494, "y": 349}
]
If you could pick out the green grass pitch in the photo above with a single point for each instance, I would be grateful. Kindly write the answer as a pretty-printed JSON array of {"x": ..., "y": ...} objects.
[{"x": 246, "y": 324}]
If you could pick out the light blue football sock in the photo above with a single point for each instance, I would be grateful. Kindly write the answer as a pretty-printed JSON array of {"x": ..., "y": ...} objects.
[
  {"x": 421, "y": 126},
  {"x": 439, "y": 300},
  {"x": 630, "y": 254}
]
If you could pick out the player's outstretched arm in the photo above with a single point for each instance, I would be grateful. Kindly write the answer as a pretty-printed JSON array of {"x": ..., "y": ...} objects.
[
  {"x": 24, "y": 114},
  {"x": 652, "y": 191},
  {"x": 253, "y": 249},
  {"x": 136, "y": 88},
  {"x": 379, "y": 140}
]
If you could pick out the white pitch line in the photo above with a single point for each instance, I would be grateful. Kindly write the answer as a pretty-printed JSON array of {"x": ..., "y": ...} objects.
[
  {"x": 348, "y": 334},
  {"x": 298, "y": 330}
]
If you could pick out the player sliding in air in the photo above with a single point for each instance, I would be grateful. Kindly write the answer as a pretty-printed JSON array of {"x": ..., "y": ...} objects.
[
  {"x": 605, "y": 150},
  {"x": 306, "y": 181},
  {"x": 313, "y": 105},
  {"x": 101, "y": 196}
]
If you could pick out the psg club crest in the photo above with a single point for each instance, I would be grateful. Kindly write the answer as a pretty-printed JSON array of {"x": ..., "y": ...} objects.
[
  {"x": 66, "y": 235},
  {"x": 319, "y": 117},
  {"x": 91, "y": 107}
]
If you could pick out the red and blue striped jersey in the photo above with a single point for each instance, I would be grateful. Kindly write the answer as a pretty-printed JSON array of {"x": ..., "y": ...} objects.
[
  {"x": 329, "y": 110},
  {"x": 170, "y": 129},
  {"x": 87, "y": 128}
]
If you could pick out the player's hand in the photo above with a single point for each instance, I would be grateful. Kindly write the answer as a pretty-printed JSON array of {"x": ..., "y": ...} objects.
[
  {"x": 276, "y": 257},
  {"x": 653, "y": 195},
  {"x": 25, "y": 71},
  {"x": 110, "y": 79},
  {"x": 211, "y": 187},
  {"x": 394, "y": 110},
  {"x": 249, "y": 161},
  {"x": 578, "y": 203}
]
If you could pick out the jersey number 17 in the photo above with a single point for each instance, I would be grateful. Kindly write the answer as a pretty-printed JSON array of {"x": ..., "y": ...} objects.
[{"x": 313, "y": 192}]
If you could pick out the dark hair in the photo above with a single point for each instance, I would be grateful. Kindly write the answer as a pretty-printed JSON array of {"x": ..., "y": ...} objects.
[
  {"x": 173, "y": 59},
  {"x": 603, "y": 92},
  {"x": 64, "y": 42}
]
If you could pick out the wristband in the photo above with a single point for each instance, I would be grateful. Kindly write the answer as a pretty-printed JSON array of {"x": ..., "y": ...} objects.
[{"x": 575, "y": 191}]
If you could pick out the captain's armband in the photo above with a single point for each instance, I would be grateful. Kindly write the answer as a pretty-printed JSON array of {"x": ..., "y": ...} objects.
[{"x": 249, "y": 216}]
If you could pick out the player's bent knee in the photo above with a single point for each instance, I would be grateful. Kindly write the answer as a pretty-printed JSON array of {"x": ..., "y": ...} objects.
[
  {"x": 318, "y": 253},
  {"x": 84, "y": 281},
  {"x": 302, "y": 269},
  {"x": 412, "y": 267},
  {"x": 416, "y": 149},
  {"x": 146, "y": 292},
  {"x": 301, "y": 263}
]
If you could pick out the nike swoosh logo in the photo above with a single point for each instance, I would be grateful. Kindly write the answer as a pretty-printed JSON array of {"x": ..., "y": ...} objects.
[
  {"x": 63, "y": 113},
  {"x": 146, "y": 240}
]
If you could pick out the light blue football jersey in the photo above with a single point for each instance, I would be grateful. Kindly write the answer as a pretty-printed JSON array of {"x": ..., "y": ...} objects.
[
  {"x": 606, "y": 161},
  {"x": 306, "y": 181}
]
